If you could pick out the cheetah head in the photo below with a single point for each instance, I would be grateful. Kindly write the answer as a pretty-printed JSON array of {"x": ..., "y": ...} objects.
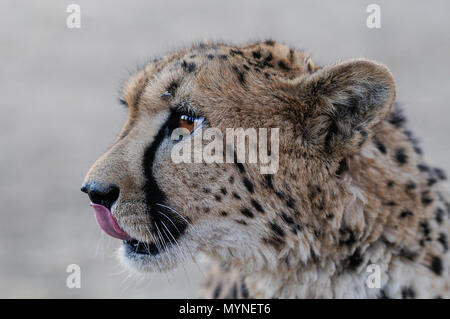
[{"x": 165, "y": 211}]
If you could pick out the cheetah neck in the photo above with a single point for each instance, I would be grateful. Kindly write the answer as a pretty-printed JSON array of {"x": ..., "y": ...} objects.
[{"x": 390, "y": 218}]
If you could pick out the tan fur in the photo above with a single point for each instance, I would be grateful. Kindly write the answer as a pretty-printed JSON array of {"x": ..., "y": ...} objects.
[{"x": 342, "y": 198}]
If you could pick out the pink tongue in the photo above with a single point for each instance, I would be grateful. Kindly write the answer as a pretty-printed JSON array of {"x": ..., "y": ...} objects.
[{"x": 106, "y": 222}]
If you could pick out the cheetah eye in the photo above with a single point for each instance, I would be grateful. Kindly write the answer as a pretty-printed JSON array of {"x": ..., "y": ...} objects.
[{"x": 190, "y": 123}]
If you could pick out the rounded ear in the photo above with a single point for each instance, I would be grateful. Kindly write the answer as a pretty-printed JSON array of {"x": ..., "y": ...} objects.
[{"x": 343, "y": 103}]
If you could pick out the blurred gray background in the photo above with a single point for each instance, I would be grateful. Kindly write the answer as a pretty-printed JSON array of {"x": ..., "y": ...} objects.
[{"x": 59, "y": 111}]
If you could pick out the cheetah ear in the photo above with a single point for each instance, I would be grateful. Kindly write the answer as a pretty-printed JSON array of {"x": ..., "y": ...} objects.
[{"x": 343, "y": 103}]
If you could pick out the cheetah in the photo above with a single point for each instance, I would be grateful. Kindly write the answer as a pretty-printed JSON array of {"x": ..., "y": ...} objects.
[{"x": 352, "y": 190}]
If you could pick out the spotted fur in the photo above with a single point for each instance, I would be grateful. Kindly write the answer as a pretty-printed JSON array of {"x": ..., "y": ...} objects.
[{"x": 353, "y": 188}]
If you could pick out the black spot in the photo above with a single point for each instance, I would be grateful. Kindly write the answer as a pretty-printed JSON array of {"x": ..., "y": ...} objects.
[
  {"x": 383, "y": 295},
  {"x": 240, "y": 167},
  {"x": 269, "y": 181},
  {"x": 423, "y": 167},
  {"x": 223, "y": 57},
  {"x": 390, "y": 183},
  {"x": 397, "y": 118},
  {"x": 206, "y": 209},
  {"x": 355, "y": 260},
  {"x": 210, "y": 56},
  {"x": 206, "y": 190},
  {"x": 400, "y": 156},
  {"x": 267, "y": 60},
  {"x": 410, "y": 186},
  {"x": 283, "y": 66},
  {"x": 172, "y": 88},
  {"x": 314, "y": 190},
  {"x": 232, "y": 294},
  {"x": 442, "y": 239},
  {"x": 224, "y": 191},
  {"x": 288, "y": 219},
  {"x": 439, "y": 215},
  {"x": 280, "y": 195},
  {"x": 380, "y": 146},
  {"x": 234, "y": 52},
  {"x": 223, "y": 213},
  {"x": 426, "y": 199},
  {"x": 246, "y": 212},
  {"x": 391, "y": 203},
  {"x": 425, "y": 228},
  {"x": 431, "y": 181},
  {"x": 244, "y": 290},
  {"x": 330, "y": 216},
  {"x": 408, "y": 254},
  {"x": 266, "y": 75},
  {"x": 231, "y": 179},
  {"x": 436, "y": 265},
  {"x": 245, "y": 66},
  {"x": 408, "y": 292},
  {"x": 257, "y": 206},
  {"x": 270, "y": 42},
  {"x": 256, "y": 54},
  {"x": 217, "y": 290},
  {"x": 342, "y": 167},
  {"x": 277, "y": 229},
  {"x": 242, "y": 222},
  {"x": 236, "y": 195},
  {"x": 347, "y": 237},
  {"x": 188, "y": 67},
  {"x": 406, "y": 213},
  {"x": 440, "y": 174},
  {"x": 248, "y": 185},
  {"x": 240, "y": 75},
  {"x": 290, "y": 203}
]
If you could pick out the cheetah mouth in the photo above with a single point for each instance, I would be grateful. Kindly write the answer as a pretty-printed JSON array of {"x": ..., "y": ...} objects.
[
  {"x": 133, "y": 246},
  {"x": 136, "y": 247}
]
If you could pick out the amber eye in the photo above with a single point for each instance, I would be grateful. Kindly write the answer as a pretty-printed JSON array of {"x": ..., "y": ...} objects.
[{"x": 190, "y": 122}]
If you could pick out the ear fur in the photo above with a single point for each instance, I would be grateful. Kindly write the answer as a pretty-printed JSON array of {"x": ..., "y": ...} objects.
[{"x": 343, "y": 103}]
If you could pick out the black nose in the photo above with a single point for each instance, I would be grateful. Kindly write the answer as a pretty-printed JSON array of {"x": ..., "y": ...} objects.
[{"x": 102, "y": 194}]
